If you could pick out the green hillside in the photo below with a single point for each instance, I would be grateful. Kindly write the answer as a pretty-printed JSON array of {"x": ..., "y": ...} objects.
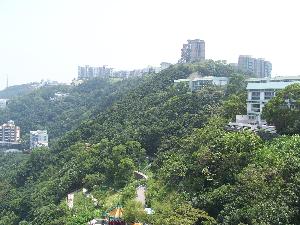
[{"x": 104, "y": 131}]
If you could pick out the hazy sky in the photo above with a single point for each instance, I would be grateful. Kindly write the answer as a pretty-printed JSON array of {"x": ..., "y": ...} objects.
[{"x": 48, "y": 39}]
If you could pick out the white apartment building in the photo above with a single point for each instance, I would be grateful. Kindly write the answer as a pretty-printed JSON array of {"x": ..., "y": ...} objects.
[
  {"x": 9, "y": 133},
  {"x": 38, "y": 138},
  {"x": 260, "y": 91}
]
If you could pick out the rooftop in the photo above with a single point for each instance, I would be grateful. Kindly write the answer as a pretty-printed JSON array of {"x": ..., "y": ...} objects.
[
  {"x": 273, "y": 79},
  {"x": 269, "y": 85}
]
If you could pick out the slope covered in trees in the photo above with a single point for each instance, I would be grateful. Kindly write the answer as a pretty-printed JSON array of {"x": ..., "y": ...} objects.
[
  {"x": 17, "y": 90},
  {"x": 198, "y": 172},
  {"x": 58, "y": 109}
]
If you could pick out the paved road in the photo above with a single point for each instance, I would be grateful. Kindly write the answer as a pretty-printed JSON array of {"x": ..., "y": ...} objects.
[{"x": 140, "y": 195}]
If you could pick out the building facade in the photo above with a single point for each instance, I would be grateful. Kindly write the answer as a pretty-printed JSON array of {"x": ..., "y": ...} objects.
[
  {"x": 193, "y": 51},
  {"x": 260, "y": 91},
  {"x": 9, "y": 133},
  {"x": 38, "y": 138},
  {"x": 259, "y": 67}
]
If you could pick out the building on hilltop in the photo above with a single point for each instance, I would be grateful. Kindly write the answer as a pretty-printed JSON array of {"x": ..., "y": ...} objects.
[
  {"x": 259, "y": 67},
  {"x": 9, "y": 133},
  {"x": 193, "y": 51},
  {"x": 38, "y": 138},
  {"x": 89, "y": 72}
]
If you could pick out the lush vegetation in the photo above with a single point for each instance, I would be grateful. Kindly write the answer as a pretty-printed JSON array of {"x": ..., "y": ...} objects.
[
  {"x": 104, "y": 131},
  {"x": 61, "y": 108},
  {"x": 284, "y": 110}
]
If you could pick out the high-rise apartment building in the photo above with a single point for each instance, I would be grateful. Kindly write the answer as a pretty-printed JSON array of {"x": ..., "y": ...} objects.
[
  {"x": 38, "y": 138},
  {"x": 88, "y": 72},
  {"x": 9, "y": 133},
  {"x": 193, "y": 51},
  {"x": 259, "y": 67}
]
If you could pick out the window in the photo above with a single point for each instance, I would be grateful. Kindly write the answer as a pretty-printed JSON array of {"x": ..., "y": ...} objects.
[
  {"x": 251, "y": 117},
  {"x": 269, "y": 95},
  {"x": 255, "y": 95},
  {"x": 255, "y": 107}
]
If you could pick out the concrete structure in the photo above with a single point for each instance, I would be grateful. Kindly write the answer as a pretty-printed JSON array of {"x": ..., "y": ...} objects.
[
  {"x": 38, "y": 138},
  {"x": 193, "y": 51},
  {"x": 242, "y": 123},
  {"x": 9, "y": 133},
  {"x": 89, "y": 72},
  {"x": 3, "y": 103},
  {"x": 140, "y": 195},
  {"x": 199, "y": 82},
  {"x": 260, "y": 67}
]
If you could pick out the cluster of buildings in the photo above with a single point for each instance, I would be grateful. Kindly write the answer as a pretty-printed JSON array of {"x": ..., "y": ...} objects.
[
  {"x": 194, "y": 51},
  {"x": 259, "y": 92},
  {"x": 10, "y": 135},
  {"x": 90, "y": 72}
]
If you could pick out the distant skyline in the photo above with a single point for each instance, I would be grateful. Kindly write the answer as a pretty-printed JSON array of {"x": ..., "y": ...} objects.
[{"x": 48, "y": 39}]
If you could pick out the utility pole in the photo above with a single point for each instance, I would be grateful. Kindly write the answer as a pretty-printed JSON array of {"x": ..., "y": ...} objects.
[{"x": 6, "y": 81}]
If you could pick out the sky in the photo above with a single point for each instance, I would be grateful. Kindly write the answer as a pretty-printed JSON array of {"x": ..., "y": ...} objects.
[{"x": 48, "y": 39}]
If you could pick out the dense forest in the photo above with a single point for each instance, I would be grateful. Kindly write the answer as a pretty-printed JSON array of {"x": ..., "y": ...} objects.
[{"x": 198, "y": 173}]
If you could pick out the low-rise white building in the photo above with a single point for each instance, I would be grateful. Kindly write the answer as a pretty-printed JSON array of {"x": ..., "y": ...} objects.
[
  {"x": 200, "y": 82},
  {"x": 38, "y": 138},
  {"x": 3, "y": 103},
  {"x": 260, "y": 91}
]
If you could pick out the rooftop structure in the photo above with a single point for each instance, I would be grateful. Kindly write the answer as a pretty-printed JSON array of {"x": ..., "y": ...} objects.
[{"x": 193, "y": 51}]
